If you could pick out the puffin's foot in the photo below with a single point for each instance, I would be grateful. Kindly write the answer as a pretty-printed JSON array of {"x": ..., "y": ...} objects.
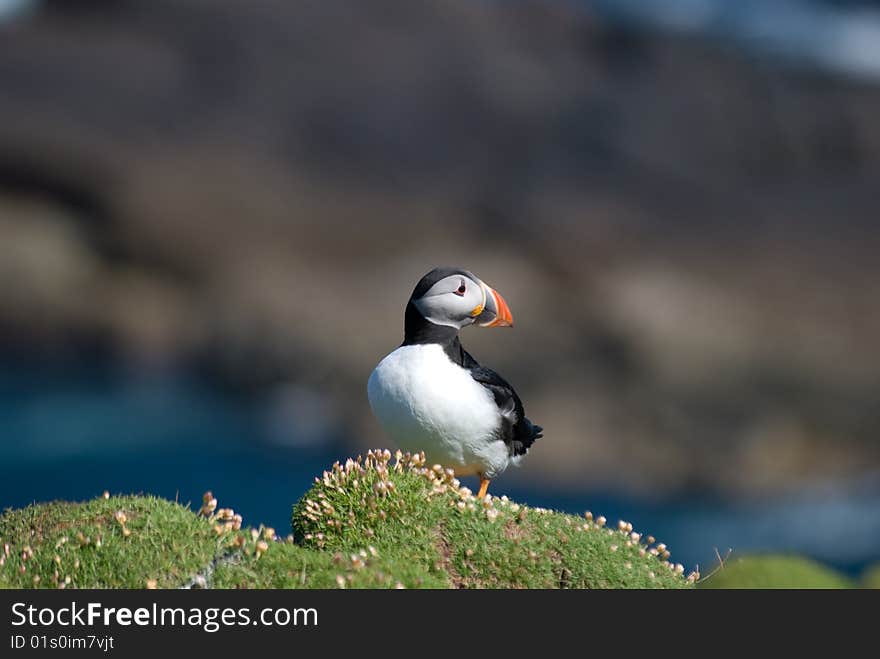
[{"x": 484, "y": 487}]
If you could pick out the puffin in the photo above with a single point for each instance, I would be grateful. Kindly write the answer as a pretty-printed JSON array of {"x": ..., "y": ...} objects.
[{"x": 431, "y": 395}]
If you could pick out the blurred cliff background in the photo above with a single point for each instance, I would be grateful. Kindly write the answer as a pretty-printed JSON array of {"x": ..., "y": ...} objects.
[{"x": 212, "y": 214}]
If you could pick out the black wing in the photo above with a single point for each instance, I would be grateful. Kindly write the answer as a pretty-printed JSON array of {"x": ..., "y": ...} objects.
[{"x": 516, "y": 430}]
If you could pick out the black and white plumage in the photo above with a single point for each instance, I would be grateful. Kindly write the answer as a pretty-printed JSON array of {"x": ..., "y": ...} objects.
[{"x": 431, "y": 395}]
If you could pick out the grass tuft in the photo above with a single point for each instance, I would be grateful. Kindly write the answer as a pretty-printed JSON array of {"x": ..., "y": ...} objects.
[
  {"x": 117, "y": 542},
  {"x": 431, "y": 532}
]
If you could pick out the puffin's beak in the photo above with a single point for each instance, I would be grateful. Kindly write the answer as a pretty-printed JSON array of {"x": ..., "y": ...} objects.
[{"x": 495, "y": 313}]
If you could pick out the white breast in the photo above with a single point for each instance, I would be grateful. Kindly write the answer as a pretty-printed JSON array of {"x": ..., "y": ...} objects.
[{"x": 428, "y": 403}]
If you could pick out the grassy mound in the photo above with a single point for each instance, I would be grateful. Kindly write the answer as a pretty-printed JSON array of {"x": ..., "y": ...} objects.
[
  {"x": 871, "y": 577},
  {"x": 372, "y": 523},
  {"x": 118, "y": 542},
  {"x": 773, "y": 571}
]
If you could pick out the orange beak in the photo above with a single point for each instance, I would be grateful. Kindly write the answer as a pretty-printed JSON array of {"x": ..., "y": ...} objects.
[{"x": 503, "y": 317}]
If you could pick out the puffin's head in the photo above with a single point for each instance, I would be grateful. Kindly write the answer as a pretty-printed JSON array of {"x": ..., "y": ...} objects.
[{"x": 457, "y": 298}]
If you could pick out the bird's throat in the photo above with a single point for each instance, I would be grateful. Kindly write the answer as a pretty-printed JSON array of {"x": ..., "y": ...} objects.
[{"x": 418, "y": 330}]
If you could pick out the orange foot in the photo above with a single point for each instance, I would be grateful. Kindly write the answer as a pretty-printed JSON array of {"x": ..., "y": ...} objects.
[{"x": 484, "y": 487}]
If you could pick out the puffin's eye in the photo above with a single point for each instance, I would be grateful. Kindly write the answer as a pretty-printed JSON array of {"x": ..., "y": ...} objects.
[{"x": 460, "y": 291}]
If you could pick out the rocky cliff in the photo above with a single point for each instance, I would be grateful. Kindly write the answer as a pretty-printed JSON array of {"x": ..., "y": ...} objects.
[{"x": 685, "y": 234}]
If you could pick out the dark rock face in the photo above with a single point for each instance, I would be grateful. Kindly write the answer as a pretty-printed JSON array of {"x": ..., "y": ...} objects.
[{"x": 686, "y": 236}]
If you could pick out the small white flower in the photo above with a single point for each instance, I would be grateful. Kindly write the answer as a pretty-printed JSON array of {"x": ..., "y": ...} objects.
[{"x": 209, "y": 506}]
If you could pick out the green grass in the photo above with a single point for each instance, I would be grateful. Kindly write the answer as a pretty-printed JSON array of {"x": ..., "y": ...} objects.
[
  {"x": 85, "y": 545},
  {"x": 422, "y": 518},
  {"x": 774, "y": 571},
  {"x": 372, "y": 523}
]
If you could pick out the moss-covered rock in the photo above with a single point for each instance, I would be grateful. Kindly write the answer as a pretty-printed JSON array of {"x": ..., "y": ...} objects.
[
  {"x": 428, "y": 531},
  {"x": 378, "y": 522}
]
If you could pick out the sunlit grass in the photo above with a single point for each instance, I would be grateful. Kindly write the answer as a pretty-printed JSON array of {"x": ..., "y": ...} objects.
[{"x": 379, "y": 522}]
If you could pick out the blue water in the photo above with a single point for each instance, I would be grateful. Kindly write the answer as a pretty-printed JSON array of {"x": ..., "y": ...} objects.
[{"x": 73, "y": 434}]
